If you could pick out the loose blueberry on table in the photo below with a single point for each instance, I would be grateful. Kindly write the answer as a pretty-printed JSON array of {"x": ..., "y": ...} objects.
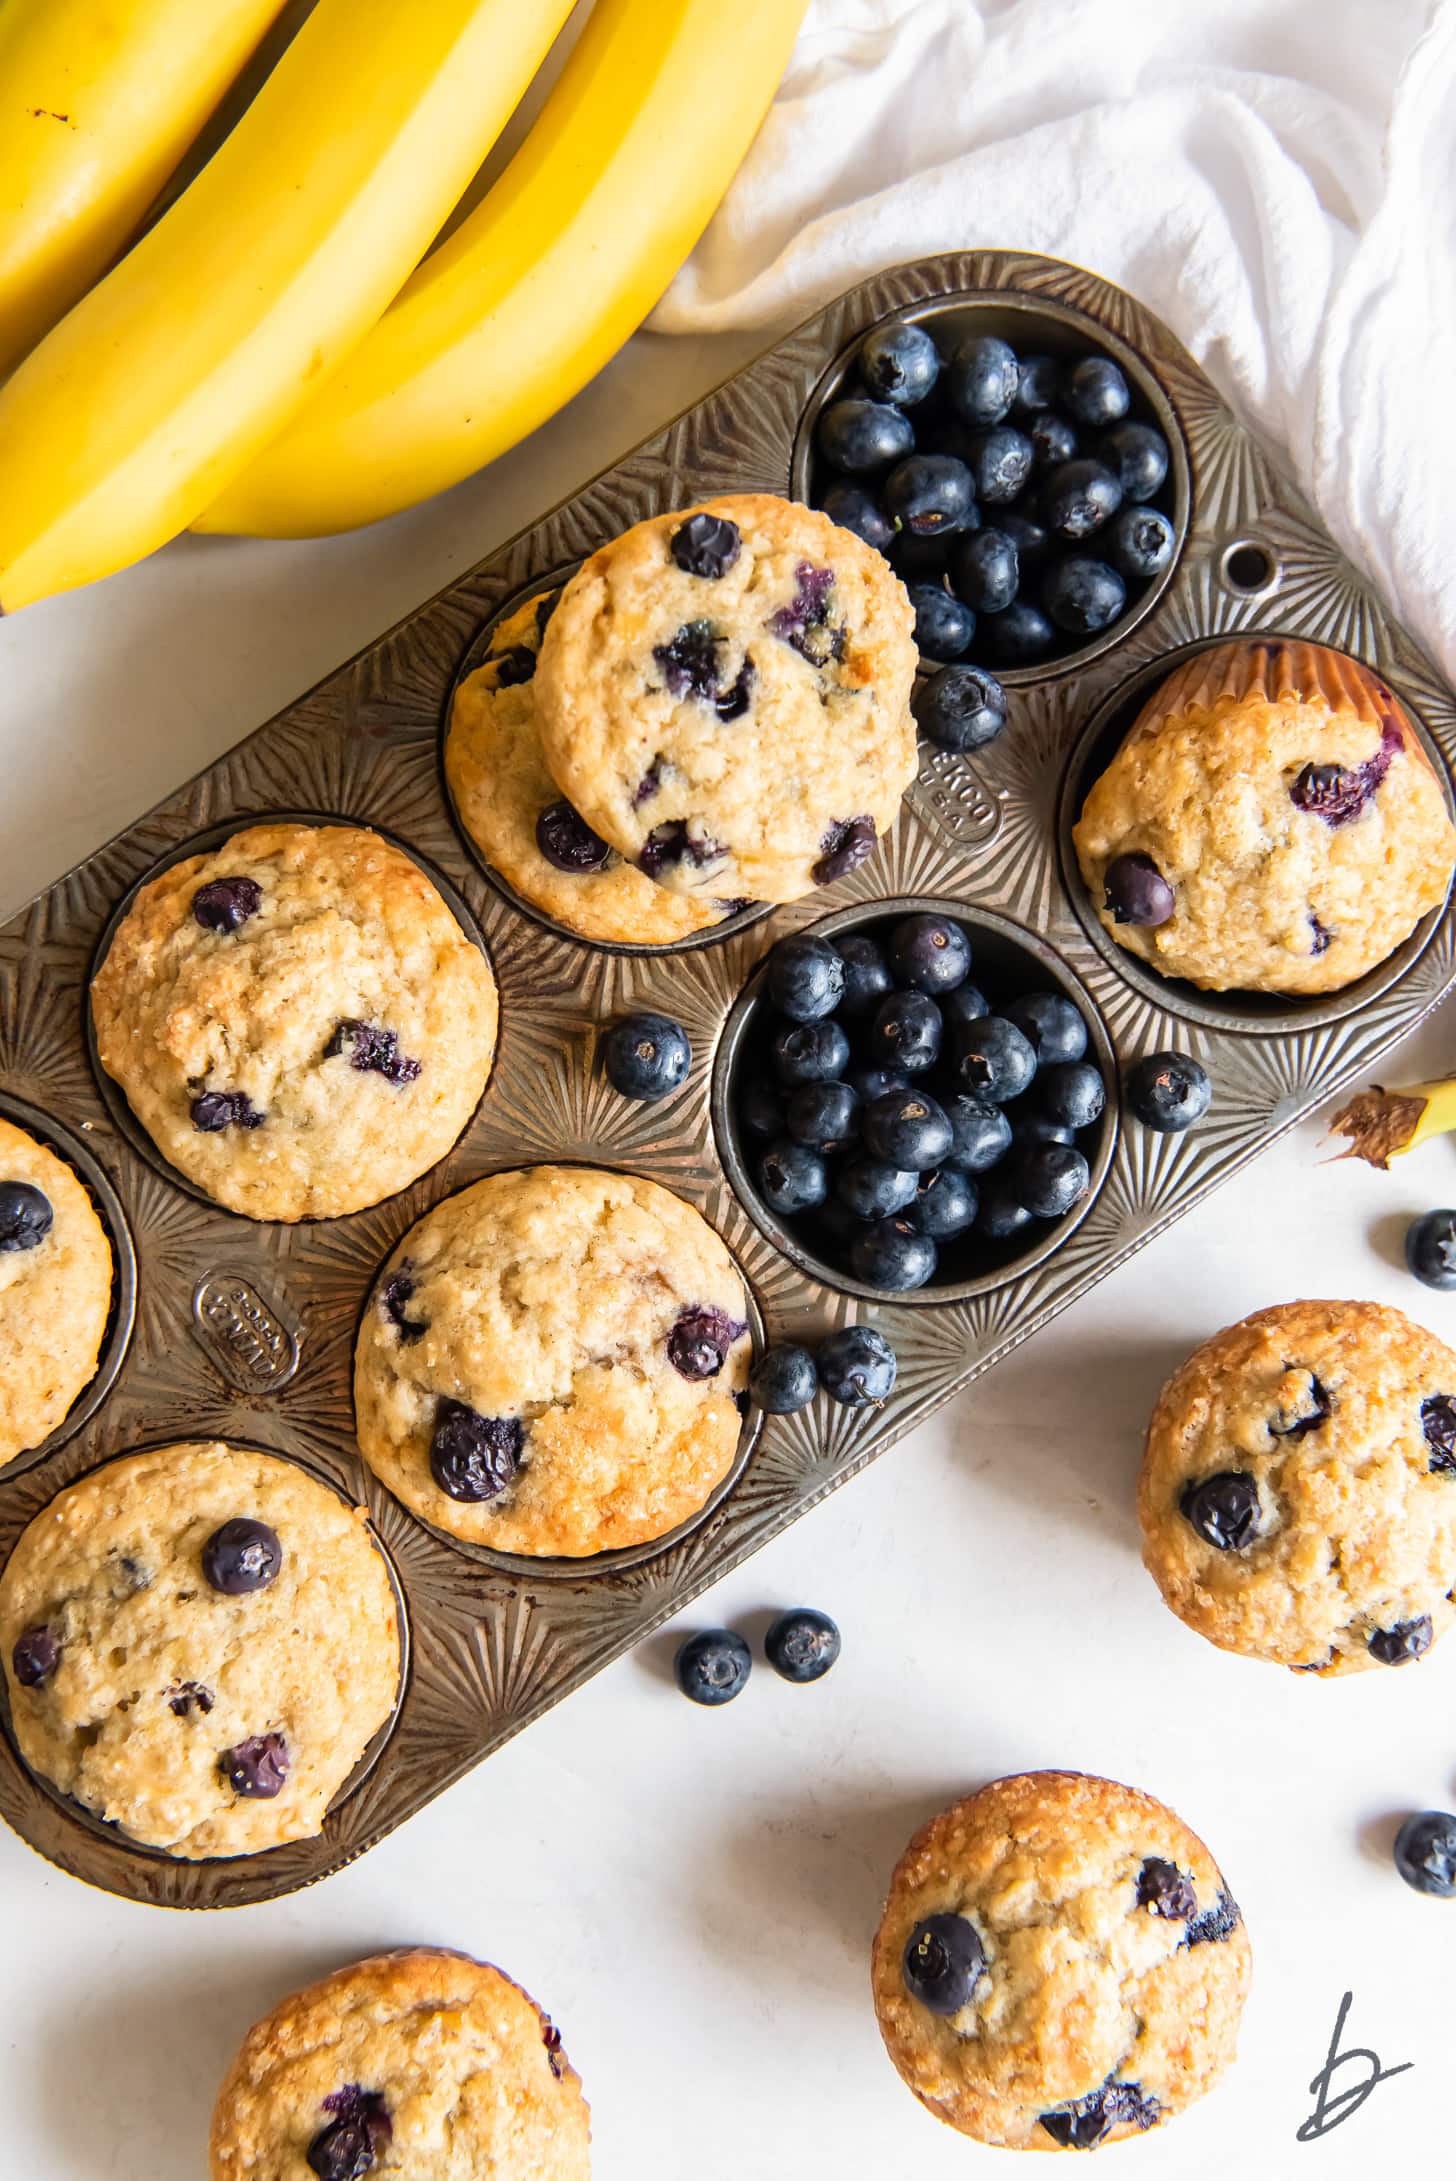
[
  {"x": 784, "y": 1379},
  {"x": 905, "y": 1128},
  {"x": 1168, "y": 1092},
  {"x": 646, "y": 1056},
  {"x": 802, "y": 1644},
  {"x": 1026, "y": 498},
  {"x": 1430, "y": 1248},
  {"x": 713, "y": 1666},
  {"x": 1425, "y": 1852}
]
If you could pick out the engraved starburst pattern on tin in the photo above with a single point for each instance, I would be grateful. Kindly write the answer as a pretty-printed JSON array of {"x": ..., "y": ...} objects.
[{"x": 493, "y": 1644}]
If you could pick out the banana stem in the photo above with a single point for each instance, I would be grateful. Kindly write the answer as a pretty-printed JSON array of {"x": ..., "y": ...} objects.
[{"x": 1384, "y": 1124}]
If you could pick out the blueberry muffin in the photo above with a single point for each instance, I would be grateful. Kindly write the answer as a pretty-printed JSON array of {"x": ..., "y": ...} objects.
[
  {"x": 554, "y": 1362},
  {"x": 1272, "y": 824},
  {"x": 1298, "y": 1491},
  {"x": 517, "y": 817},
  {"x": 724, "y": 695},
  {"x": 1059, "y": 1964},
  {"x": 297, "y": 1020},
  {"x": 55, "y": 1290},
  {"x": 421, "y": 2063},
  {"x": 199, "y": 1643}
]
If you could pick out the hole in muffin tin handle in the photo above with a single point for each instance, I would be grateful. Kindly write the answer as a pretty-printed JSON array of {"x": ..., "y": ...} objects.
[{"x": 1248, "y": 569}]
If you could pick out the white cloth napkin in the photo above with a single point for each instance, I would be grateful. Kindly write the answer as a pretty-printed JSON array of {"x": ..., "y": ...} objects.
[{"x": 1276, "y": 178}]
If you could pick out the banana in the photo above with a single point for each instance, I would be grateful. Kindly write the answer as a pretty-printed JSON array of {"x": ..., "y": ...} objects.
[
  {"x": 1384, "y": 1124},
  {"x": 138, "y": 408},
  {"x": 542, "y": 283},
  {"x": 99, "y": 99}
]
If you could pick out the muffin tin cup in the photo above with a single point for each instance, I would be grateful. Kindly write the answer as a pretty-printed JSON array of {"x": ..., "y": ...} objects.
[{"x": 246, "y": 1331}]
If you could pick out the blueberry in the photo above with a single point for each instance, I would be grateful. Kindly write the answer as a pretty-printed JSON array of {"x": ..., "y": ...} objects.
[
  {"x": 701, "y": 1336},
  {"x": 474, "y": 1457},
  {"x": 943, "y": 1962},
  {"x": 980, "y": 1134},
  {"x": 1071, "y": 1091},
  {"x": 783, "y": 1379},
  {"x": 869, "y": 1189},
  {"x": 1166, "y": 1890},
  {"x": 36, "y": 1656},
  {"x": 985, "y": 570},
  {"x": 1000, "y": 1215},
  {"x": 1136, "y": 892},
  {"x": 861, "y": 436},
  {"x": 713, "y": 1666},
  {"x": 1037, "y": 386},
  {"x": 906, "y": 1032},
  {"x": 928, "y": 494},
  {"x": 792, "y": 1178},
  {"x": 1223, "y": 1509},
  {"x": 348, "y": 2147},
  {"x": 994, "y": 1060},
  {"x": 1052, "y": 1025},
  {"x": 961, "y": 708},
  {"x": 944, "y": 1204},
  {"x": 1030, "y": 538},
  {"x": 706, "y": 545},
  {"x": 513, "y": 666},
  {"x": 1080, "y": 496},
  {"x": 930, "y": 953},
  {"x": 1216, "y": 1923},
  {"x": 1096, "y": 393},
  {"x": 1050, "y": 1179},
  {"x": 967, "y": 1003},
  {"x": 25, "y": 1216},
  {"x": 761, "y": 1109},
  {"x": 568, "y": 842},
  {"x": 857, "y": 1367},
  {"x": 646, "y": 1056},
  {"x": 1000, "y": 464},
  {"x": 872, "y": 1080},
  {"x": 183, "y": 1696},
  {"x": 1140, "y": 543},
  {"x": 674, "y": 842},
  {"x": 922, "y": 560},
  {"x": 225, "y": 904},
  {"x": 809, "y": 1052},
  {"x": 899, "y": 362},
  {"x": 944, "y": 626},
  {"x": 256, "y": 1768},
  {"x": 826, "y": 1116},
  {"x": 1031, "y": 1129},
  {"x": 693, "y": 665},
  {"x": 867, "y": 976},
  {"x": 1053, "y": 441},
  {"x": 372, "y": 1050},
  {"x": 1438, "y": 1429},
  {"x": 214, "y": 1110},
  {"x": 1425, "y": 1853},
  {"x": 847, "y": 844},
  {"x": 890, "y": 1253},
  {"x": 242, "y": 1556},
  {"x": 1137, "y": 456},
  {"x": 1430, "y": 1248},
  {"x": 1082, "y": 2125},
  {"x": 981, "y": 379},
  {"x": 805, "y": 977},
  {"x": 1020, "y": 636},
  {"x": 803, "y": 1643},
  {"x": 1169, "y": 1092},
  {"x": 907, "y": 1129},
  {"x": 1083, "y": 595},
  {"x": 1405, "y": 1641},
  {"x": 856, "y": 509}
]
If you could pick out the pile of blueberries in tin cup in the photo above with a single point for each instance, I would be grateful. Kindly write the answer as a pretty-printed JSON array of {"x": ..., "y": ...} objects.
[
  {"x": 1022, "y": 498},
  {"x": 904, "y": 1124}
]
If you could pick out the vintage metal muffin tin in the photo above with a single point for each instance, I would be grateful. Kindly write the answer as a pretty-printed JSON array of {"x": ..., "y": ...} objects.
[{"x": 245, "y": 1332}]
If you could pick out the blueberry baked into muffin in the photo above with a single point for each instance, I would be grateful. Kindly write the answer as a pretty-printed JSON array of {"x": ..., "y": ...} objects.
[
  {"x": 1059, "y": 1964},
  {"x": 55, "y": 1290},
  {"x": 522, "y": 824},
  {"x": 554, "y": 1362},
  {"x": 421, "y": 2064},
  {"x": 1298, "y": 1490},
  {"x": 199, "y": 1642},
  {"x": 724, "y": 695},
  {"x": 1271, "y": 823},
  {"x": 297, "y": 1020}
]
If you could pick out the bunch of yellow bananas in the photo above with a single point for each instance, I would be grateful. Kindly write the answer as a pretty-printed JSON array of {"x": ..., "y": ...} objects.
[{"x": 272, "y": 355}]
